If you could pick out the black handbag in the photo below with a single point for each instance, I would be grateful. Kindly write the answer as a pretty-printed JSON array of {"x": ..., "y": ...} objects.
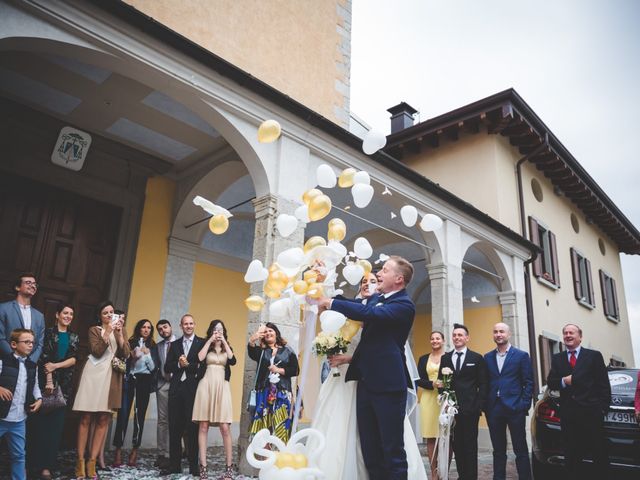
[
  {"x": 52, "y": 401},
  {"x": 252, "y": 402}
]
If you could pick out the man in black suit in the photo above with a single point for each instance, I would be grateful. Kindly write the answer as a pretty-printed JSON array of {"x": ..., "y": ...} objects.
[
  {"x": 581, "y": 377},
  {"x": 470, "y": 384},
  {"x": 182, "y": 365}
]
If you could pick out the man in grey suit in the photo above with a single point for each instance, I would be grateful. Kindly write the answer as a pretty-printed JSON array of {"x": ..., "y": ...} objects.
[
  {"x": 159, "y": 354},
  {"x": 19, "y": 313}
]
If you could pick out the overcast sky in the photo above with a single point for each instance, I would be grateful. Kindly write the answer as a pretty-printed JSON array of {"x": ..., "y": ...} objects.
[{"x": 575, "y": 62}]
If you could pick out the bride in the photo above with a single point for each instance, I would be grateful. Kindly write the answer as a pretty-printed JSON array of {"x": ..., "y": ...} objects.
[{"x": 335, "y": 417}]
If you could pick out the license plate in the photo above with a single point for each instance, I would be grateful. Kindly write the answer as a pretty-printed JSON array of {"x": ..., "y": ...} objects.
[{"x": 620, "y": 417}]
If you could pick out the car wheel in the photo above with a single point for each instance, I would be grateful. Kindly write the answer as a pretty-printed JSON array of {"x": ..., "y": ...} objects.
[{"x": 543, "y": 471}]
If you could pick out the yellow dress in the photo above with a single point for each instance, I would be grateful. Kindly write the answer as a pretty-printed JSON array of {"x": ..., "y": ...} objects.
[{"x": 429, "y": 408}]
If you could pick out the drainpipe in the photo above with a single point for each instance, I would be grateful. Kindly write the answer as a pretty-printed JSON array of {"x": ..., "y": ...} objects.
[{"x": 527, "y": 276}]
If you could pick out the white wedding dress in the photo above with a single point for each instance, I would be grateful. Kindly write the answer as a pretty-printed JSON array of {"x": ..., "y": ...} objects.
[{"x": 335, "y": 416}]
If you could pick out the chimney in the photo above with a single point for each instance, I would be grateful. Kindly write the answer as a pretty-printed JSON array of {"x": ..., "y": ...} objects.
[{"x": 401, "y": 116}]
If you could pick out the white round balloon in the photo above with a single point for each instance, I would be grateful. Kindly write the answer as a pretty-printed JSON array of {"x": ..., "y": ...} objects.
[
  {"x": 286, "y": 224},
  {"x": 430, "y": 222},
  {"x": 362, "y": 177},
  {"x": 353, "y": 273},
  {"x": 325, "y": 176},
  {"x": 331, "y": 321},
  {"x": 291, "y": 258},
  {"x": 255, "y": 272},
  {"x": 337, "y": 247},
  {"x": 362, "y": 248},
  {"x": 362, "y": 194},
  {"x": 280, "y": 308},
  {"x": 373, "y": 141},
  {"x": 409, "y": 215},
  {"x": 302, "y": 213}
]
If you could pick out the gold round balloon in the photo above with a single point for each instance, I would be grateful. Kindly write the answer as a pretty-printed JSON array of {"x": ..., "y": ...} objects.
[
  {"x": 349, "y": 329},
  {"x": 310, "y": 276},
  {"x": 313, "y": 242},
  {"x": 300, "y": 461},
  {"x": 310, "y": 195},
  {"x": 315, "y": 290},
  {"x": 319, "y": 207},
  {"x": 366, "y": 266},
  {"x": 218, "y": 224},
  {"x": 345, "y": 180},
  {"x": 273, "y": 267},
  {"x": 269, "y": 131},
  {"x": 300, "y": 287},
  {"x": 337, "y": 231},
  {"x": 278, "y": 279},
  {"x": 284, "y": 459},
  {"x": 337, "y": 221},
  {"x": 271, "y": 291},
  {"x": 254, "y": 303}
]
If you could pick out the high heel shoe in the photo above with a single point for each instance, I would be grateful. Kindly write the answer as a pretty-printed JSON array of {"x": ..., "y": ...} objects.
[
  {"x": 80, "y": 469},
  {"x": 133, "y": 457},
  {"x": 229, "y": 473},
  {"x": 91, "y": 469},
  {"x": 203, "y": 472}
]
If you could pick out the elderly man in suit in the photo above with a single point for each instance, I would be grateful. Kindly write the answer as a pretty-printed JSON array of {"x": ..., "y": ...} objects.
[
  {"x": 19, "y": 313},
  {"x": 470, "y": 384},
  {"x": 580, "y": 375},
  {"x": 182, "y": 363},
  {"x": 379, "y": 366},
  {"x": 508, "y": 402}
]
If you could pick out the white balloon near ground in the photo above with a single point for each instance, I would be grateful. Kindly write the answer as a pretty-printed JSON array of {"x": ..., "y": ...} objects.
[
  {"x": 353, "y": 273},
  {"x": 255, "y": 272},
  {"x": 430, "y": 222},
  {"x": 362, "y": 177},
  {"x": 362, "y": 194},
  {"x": 373, "y": 141},
  {"x": 291, "y": 258},
  {"x": 280, "y": 308},
  {"x": 302, "y": 213},
  {"x": 362, "y": 248},
  {"x": 325, "y": 176},
  {"x": 409, "y": 215},
  {"x": 331, "y": 321},
  {"x": 286, "y": 224}
]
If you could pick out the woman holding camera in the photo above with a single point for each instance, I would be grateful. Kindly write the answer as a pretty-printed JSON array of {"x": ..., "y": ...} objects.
[
  {"x": 100, "y": 388},
  {"x": 212, "y": 405}
]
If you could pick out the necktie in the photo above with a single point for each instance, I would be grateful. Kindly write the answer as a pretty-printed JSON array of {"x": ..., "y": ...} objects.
[
  {"x": 459, "y": 354},
  {"x": 572, "y": 359}
]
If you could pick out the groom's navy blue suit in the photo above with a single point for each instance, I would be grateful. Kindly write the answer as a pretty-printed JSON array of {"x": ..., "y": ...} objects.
[{"x": 379, "y": 366}]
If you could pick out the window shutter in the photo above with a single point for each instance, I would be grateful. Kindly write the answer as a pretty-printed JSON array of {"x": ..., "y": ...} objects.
[
  {"x": 603, "y": 288},
  {"x": 592, "y": 298},
  {"x": 534, "y": 234},
  {"x": 575, "y": 269},
  {"x": 615, "y": 311},
  {"x": 554, "y": 258}
]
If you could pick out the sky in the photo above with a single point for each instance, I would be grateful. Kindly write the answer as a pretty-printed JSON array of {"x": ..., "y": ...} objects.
[{"x": 575, "y": 62}]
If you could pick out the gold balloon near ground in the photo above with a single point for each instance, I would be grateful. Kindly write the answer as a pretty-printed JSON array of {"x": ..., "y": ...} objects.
[
  {"x": 300, "y": 461},
  {"x": 300, "y": 287},
  {"x": 218, "y": 224},
  {"x": 284, "y": 459},
  {"x": 349, "y": 329},
  {"x": 254, "y": 303},
  {"x": 313, "y": 242},
  {"x": 269, "y": 131},
  {"x": 366, "y": 265},
  {"x": 319, "y": 207},
  {"x": 310, "y": 195},
  {"x": 345, "y": 180},
  {"x": 310, "y": 276}
]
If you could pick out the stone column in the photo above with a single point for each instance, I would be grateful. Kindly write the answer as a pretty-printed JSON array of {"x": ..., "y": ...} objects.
[
  {"x": 446, "y": 298},
  {"x": 266, "y": 247},
  {"x": 512, "y": 304},
  {"x": 178, "y": 280}
]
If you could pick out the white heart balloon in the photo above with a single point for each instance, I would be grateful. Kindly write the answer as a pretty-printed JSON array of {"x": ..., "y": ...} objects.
[
  {"x": 286, "y": 224},
  {"x": 255, "y": 272},
  {"x": 362, "y": 194},
  {"x": 430, "y": 222},
  {"x": 280, "y": 308},
  {"x": 373, "y": 141},
  {"x": 291, "y": 258},
  {"x": 362, "y": 177},
  {"x": 302, "y": 213},
  {"x": 353, "y": 273},
  {"x": 409, "y": 215},
  {"x": 325, "y": 176},
  {"x": 331, "y": 321},
  {"x": 337, "y": 247},
  {"x": 362, "y": 248}
]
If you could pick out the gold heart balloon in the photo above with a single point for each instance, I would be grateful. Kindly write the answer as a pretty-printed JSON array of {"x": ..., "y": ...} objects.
[
  {"x": 300, "y": 287},
  {"x": 218, "y": 224},
  {"x": 349, "y": 329},
  {"x": 269, "y": 131},
  {"x": 254, "y": 303},
  {"x": 345, "y": 180},
  {"x": 366, "y": 266},
  {"x": 313, "y": 242},
  {"x": 310, "y": 195},
  {"x": 337, "y": 230},
  {"x": 319, "y": 207}
]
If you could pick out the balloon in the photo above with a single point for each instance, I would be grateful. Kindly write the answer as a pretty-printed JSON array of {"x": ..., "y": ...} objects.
[
  {"x": 373, "y": 141},
  {"x": 273, "y": 267},
  {"x": 284, "y": 459},
  {"x": 313, "y": 242},
  {"x": 349, "y": 329},
  {"x": 430, "y": 222},
  {"x": 278, "y": 279},
  {"x": 300, "y": 287},
  {"x": 310, "y": 195},
  {"x": 271, "y": 291},
  {"x": 315, "y": 290},
  {"x": 337, "y": 247},
  {"x": 291, "y": 258},
  {"x": 254, "y": 303},
  {"x": 366, "y": 266},
  {"x": 286, "y": 224},
  {"x": 255, "y": 272},
  {"x": 362, "y": 194},
  {"x": 300, "y": 461},
  {"x": 302, "y": 213},
  {"x": 345, "y": 180},
  {"x": 362, "y": 248},
  {"x": 218, "y": 224},
  {"x": 362, "y": 177},
  {"x": 353, "y": 273},
  {"x": 310, "y": 276},
  {"x": 337, "y": 230},
  {"x": 325, "y": 176},
  {"x": 409, "y": 215},
  {"x": 269, "y": 131},
  {"x": 319, "y": 207},
  {"x": 331, "y": 321},
  {"x": 280, "y": 308}
]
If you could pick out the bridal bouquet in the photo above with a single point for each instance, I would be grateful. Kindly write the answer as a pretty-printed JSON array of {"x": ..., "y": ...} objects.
[
  {"x": 330, "y": 344},
  {"x": 448, "y": 410}
]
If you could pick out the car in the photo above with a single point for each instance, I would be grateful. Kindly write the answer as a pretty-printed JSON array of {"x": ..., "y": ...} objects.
[{"x": 621, "y": 429}]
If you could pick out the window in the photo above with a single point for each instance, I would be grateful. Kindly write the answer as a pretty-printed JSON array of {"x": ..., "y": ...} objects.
[
  {"x": 545, "y": 266},
  {"x": 548, "y": 348},
  {"x": 582, "y": 284},
  {"x": 609, "y": 296}
]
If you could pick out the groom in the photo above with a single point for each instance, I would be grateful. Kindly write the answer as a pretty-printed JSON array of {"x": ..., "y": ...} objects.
[{"x": 379, "y": 366}]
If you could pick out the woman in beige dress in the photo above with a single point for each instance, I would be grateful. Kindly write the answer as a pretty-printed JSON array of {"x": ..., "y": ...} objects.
[
  {"x": 212, "y": 405},
  {"x": 100, "y": 388}
]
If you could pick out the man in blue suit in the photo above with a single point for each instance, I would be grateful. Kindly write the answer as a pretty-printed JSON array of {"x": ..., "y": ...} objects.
[
  {"x": 19, "y": 313},
  {"x": 508, "y": 402},
  {"x": 379, "y": 366}
]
